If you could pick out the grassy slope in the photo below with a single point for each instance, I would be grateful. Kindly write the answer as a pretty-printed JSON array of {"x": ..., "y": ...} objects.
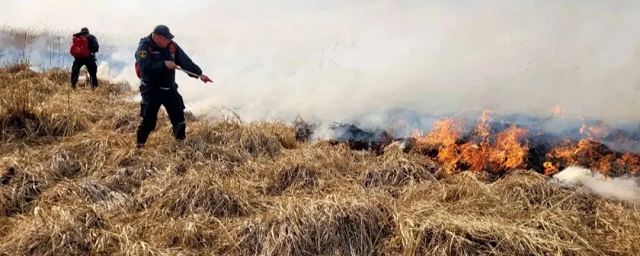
[{"x": 73, "y": 184}]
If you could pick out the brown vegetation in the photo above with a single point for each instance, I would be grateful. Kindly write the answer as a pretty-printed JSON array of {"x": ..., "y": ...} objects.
[{"x": 74, "y": 184}]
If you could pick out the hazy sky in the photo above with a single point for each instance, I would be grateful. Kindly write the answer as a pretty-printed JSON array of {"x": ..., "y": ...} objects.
[{"x": 334, "y": 59}]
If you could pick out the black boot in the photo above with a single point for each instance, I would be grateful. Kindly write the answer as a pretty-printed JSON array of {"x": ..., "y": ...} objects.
[
  {"x": 179, "y": 131},
  {"x": 141, "y": 137}
]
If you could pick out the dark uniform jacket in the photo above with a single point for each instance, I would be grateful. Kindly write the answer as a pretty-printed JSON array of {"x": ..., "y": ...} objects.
[{"x": 153, "y": 71}]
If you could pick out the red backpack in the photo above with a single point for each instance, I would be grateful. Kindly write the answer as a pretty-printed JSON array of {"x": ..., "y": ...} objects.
[
  {"x": 80, "y": 47},
  {"x": 172, "y": 48}
]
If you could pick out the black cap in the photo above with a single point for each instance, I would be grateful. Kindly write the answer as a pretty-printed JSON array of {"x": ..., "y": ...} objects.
[
  {"x": 163, "y": 31},
  {"x": 84, "y": 30}
]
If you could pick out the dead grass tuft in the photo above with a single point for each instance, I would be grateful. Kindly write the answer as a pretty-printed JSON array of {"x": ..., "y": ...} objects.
[
  {"x": 294, "y": 178},
  {"x": 258, "y": 139},
  {"x": 336, "y": 225},
  {"x": 58, "y": 76},
  {"x": 55, "y": 231},
  {"x": 20, "y": 188},
  {"x": 308, "y": 169},
  {"x": 65, "y": 165},
  {"x": 399, "y": 170},
  {"x": 195, "y": 232},
  {"x": 439, "y": 233},
  {"x": 195, "y": 193},
  {"x": 102, "y": 198},
  {"x": 126, "y": 123},
  {"x": 463, "y": 187},
  {"x": 27, "y": 111},
  {"x": 527, "y": 189},
  {"x": 20, "y": 69}
]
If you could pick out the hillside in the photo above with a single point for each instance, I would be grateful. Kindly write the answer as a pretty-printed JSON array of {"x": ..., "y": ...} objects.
[{"x": 74, "y": 184}]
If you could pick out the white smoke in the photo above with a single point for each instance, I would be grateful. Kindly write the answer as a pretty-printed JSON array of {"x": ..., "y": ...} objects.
[
  {"x": 331, "y": 60},
  {"x": 621, "y": 188}
]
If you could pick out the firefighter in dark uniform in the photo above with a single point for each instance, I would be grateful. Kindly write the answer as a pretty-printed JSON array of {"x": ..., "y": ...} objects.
[
  {"x": 158, "y": 64},
  {"x": 90, "y": 62}
]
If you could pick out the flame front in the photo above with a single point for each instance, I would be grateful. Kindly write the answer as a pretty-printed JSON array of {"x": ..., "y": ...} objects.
[
  {"x": 491, "y": 153},
  {"x": 486, "y": 151}
]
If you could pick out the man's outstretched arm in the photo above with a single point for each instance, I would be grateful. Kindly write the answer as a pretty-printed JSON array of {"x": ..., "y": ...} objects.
[{"x": 183, "y": 60}]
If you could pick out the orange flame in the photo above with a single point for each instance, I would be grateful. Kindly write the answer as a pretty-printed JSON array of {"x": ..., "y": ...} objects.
[
  {"x": 505, "y": 153},
  {"x": 509, "y": 149},
  {"x": 557, "y": 111}
]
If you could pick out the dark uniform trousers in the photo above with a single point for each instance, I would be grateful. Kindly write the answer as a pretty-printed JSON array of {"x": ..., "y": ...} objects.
[
  {"x": 152, "y": 99},
  {"x": 92, "y": 68}
]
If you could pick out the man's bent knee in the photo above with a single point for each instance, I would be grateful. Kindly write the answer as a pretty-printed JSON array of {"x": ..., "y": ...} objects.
[{"x": 147, "y": 124}]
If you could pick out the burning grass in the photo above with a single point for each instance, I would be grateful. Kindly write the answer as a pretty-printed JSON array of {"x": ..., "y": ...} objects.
[{"x": 72, "y": 183}]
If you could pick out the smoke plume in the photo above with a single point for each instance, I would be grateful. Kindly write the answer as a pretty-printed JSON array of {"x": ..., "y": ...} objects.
[
  {"x": 621, "y": 188},
  {"x": 331, "y": 60}
]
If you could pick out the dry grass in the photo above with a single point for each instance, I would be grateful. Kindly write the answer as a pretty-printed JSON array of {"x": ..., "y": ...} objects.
[{"x": 73, "y": 184}]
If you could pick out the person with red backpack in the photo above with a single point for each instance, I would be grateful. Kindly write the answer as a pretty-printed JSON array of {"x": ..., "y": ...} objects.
[
  {"x": 84, "y": 49},
  {"x": 157, "y": 58}
]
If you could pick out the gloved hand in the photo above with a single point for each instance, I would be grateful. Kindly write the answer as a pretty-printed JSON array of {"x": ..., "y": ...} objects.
[{"x": 205, "y": 79}]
